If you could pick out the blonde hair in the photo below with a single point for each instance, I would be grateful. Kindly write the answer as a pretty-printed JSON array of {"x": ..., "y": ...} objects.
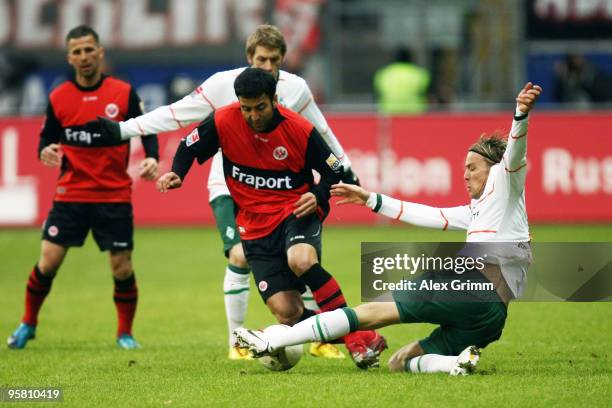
[
  {"x": 492, "y": 147},
  {"x": 268, "y": 36}
]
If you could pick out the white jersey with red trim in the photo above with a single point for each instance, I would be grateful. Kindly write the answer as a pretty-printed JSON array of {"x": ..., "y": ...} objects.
[
  {"x": 218, "y": 91},
  {"x": 499, "y": 215}
]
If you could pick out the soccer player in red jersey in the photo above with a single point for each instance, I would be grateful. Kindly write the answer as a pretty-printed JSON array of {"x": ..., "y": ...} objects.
[
  {"x": 94, "y": 188},
  {"x": 269, "y": 153}
]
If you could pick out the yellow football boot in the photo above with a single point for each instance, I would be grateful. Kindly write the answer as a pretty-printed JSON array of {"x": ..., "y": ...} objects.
[
  {"x": 239, "y": 353},
  {"x": 325, "y": 350}
]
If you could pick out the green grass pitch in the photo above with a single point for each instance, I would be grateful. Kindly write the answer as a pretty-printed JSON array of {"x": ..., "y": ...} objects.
[{"x": 549, "y": 354}]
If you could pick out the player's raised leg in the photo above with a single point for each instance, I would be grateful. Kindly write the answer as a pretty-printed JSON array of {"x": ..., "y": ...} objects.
[
  {"x": 38, "y": 287},
  {"x": 322, "y": 327}
]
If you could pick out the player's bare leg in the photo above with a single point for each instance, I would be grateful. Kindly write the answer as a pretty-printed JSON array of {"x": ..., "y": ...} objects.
[
  {"x": 326, "y": 327},
  {"x": 38, "y": 287},
  {"x": 286, "y": 306},
  {"x": 125, "y": 297}
]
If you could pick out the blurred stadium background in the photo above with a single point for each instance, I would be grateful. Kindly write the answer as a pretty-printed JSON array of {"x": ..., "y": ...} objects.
[{"x": 478, "y": 54}]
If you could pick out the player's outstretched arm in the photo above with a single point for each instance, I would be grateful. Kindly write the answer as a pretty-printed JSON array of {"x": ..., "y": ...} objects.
[
  {"x": 411, "y": 213},
  {"x": 515, "y": 156},
  {"x": 190, "y": 109}
]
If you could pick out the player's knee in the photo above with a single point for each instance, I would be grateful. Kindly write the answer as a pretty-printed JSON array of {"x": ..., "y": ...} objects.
[
  {"x": 288, "y": 315},
  {"x": 48, "y": 267},
  {"x": 122, "y": 273},
  {"x": 121, "y": 265},
  {"x": 236, "y": 256},
  {"x": 49, "y": 263},
  {"x": 300, "y": 263}
]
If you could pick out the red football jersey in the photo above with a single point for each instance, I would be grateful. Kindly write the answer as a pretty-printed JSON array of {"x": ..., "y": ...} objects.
[
  {"x": 94, "y": 168},
  {"x": 266, "y": 173}
]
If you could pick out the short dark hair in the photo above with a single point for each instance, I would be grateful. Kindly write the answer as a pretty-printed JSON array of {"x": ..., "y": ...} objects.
[
  {"x": 492, "y": 147},
  {"x": 82, "y": 31},
  {"x": 254, "y": 82}
]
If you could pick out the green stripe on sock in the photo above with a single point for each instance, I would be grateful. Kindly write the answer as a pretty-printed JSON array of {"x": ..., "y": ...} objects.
[
  {"x": 407, "y": 365},
  {"x": 352, "y": 318},
  {"x": 235, "y": 291},
  {"x": 419, "y": 364},
  {"x": 320, "y": 329},
  {"x": 242, "y": 271},
  {"x": 307, "y": 298},
  {"x": 378, "y": 203}
]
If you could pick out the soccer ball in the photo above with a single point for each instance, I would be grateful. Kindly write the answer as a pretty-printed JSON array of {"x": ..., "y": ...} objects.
[{"x": 285, "y": 358}]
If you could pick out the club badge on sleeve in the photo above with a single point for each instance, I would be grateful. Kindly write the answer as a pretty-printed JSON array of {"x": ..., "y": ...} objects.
[
  {"x": 193, "y": 137},
  {"x": 333, "y": 162}
]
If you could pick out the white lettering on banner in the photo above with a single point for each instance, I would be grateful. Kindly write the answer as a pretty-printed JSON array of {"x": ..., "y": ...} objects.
[
  {"x": 215, "y": 29},
  {"x": 561, "y": 172},
  {"x": 30, "y": 30},
  {"x": 140, "y": 28},
  {"x": 574, "y": 10},
  {"x": 74, "y": 12},
  {"x": 407, "y": 176},
  {"x": 18, "y": 195},
  {"x": 131, "y": 24},
  {"x": 184, "y": 21}
]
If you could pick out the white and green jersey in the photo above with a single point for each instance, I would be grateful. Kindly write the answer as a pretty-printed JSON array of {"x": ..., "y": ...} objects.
[
  {"x": 499, "y": 215},
  {"x": 218, "y": 91}
]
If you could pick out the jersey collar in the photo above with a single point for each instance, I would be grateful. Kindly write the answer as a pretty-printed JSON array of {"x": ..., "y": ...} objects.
[
  {"x": 276, "y": 120},
  {"x": 88, "y": 88}
]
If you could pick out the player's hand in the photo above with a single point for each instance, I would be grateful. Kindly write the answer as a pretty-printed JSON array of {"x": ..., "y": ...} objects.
[
  {"x": 51, "y": 155},
  {"x": 352, "y": 194},
  {"x": 106, "y": 127},
  {"x": 168, "y": 181},
  {"x": 306, "y": 205},
  {"x": 526, "y": 99},
  {"x": 148, "y": 169},
  {"x": 398, "y": 359}
]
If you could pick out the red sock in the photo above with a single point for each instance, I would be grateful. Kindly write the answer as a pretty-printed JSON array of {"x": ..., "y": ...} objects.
[
  {"x": 126, "y": 299},
  {"x": 364, "y": 337},
  {"x": 324, "y": 287},
  {"x": 37, "y": 289}
]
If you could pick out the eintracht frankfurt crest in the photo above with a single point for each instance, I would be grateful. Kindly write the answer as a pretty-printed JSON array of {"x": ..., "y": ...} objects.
[
  {"x": 111, "y": 110},
  {"x": 280, "y": 153}
]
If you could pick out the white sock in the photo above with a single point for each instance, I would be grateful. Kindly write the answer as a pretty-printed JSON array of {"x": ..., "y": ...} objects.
[
  {"x": 236, "y": 290},
  {"x": 432, "y": 363},
  {"x": 308, "y": 299},
  {"x": 322, "y": 327}
]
